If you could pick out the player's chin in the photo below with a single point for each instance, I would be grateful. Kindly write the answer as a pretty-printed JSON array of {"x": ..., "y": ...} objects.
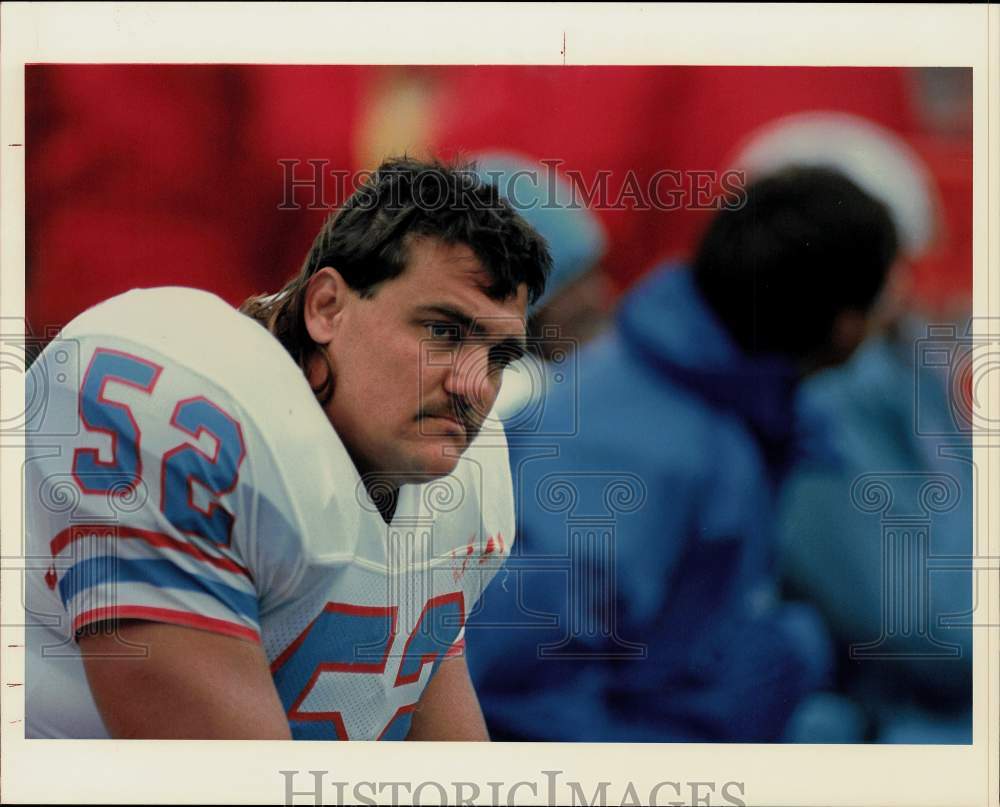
[{"x": 438, "y": 456}]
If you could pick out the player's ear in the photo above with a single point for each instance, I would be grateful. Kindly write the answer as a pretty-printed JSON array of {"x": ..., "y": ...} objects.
[
  {"x": 849, "y": 331},
  {"x": 850, "y": 327},
  {"x": 326, "y": 293}
]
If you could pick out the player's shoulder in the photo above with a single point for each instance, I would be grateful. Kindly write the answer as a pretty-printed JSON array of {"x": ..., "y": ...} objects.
[
  {"x": 200, "y": 337},
  {"x": 207, "y": 348},
  {"x": 191, "y": 327}
]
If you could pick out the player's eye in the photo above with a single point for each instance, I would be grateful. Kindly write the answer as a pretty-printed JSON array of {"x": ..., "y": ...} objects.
[{"x": 443, "y": 331}]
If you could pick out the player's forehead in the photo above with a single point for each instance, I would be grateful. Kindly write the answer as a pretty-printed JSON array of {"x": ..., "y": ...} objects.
[{"x": 450, "y": 279}]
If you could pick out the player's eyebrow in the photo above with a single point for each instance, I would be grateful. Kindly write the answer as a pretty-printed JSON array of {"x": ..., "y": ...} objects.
[{"x": 456, "y": 316}]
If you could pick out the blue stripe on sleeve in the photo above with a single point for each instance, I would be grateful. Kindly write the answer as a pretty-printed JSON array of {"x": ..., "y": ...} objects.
[{"x": 110, "y": 569}]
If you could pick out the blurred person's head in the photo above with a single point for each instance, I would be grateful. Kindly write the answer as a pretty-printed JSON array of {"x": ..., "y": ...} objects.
[
  {"x": 877, "y": 160},
  {"x": 407, "y": 308},
  {"x": 575, "y": 301},
  {"x": 797, "y": 269}
]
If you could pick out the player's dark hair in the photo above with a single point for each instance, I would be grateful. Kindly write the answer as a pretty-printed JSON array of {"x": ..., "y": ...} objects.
[
  {"x": 807, "y": 245},
  {"x": 367, "y": 241}
]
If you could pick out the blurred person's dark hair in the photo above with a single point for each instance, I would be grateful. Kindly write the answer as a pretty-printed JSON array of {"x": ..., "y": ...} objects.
[
  {"x": 367, "y": 241},
  {"x": 808, "y": 250}
]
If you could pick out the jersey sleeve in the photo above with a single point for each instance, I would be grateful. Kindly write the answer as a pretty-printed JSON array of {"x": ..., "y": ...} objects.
[{"x": 140, "y": 488}]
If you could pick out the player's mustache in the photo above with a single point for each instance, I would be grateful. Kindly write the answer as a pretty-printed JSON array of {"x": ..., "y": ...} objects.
[{"x": 458, "y": 409}]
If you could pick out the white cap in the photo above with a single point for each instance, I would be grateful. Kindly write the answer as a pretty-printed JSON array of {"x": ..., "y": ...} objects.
[{"x": 876, "y": 159}]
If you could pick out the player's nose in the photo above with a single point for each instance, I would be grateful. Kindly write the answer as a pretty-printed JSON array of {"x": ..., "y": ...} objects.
[{"x": 470, "y": 378}]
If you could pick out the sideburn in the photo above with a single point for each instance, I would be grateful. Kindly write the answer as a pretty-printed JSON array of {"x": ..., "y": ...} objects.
[{"x": 324, "y": 390}]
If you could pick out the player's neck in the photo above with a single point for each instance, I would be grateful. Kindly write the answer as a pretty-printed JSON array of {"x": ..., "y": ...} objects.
[{"x": 383, "y": 492}]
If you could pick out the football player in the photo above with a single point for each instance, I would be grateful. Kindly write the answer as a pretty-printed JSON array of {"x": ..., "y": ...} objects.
[{"x": 224, "y": 564}]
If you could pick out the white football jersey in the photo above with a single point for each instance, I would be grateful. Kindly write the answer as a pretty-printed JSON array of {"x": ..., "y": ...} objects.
[{"x": 180, "y": 470}]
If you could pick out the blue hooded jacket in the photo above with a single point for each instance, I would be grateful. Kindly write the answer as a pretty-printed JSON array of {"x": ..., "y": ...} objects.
[
  {"x": 639, "y": 603},
  {"x": 890, "y": 421}
]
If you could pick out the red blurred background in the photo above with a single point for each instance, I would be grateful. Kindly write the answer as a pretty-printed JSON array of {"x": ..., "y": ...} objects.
[{"x": 145, "y": 175}]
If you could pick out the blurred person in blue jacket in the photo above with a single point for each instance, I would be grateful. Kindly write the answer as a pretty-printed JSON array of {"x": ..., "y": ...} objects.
[
  {"x": 875, "y": 520},
  {"x": 885, "y": 488},
  {"x": 640, "y": 600}
]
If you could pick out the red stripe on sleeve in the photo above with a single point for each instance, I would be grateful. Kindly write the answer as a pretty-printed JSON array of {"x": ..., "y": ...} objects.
[
  {"x": 167, "y": 615},
  {"x": 78, "y": 531}
]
